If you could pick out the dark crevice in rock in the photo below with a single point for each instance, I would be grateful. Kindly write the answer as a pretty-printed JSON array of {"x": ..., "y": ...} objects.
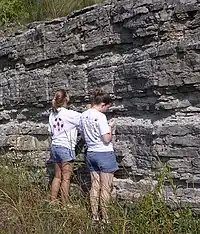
[
  {"x": 101, "y": 51},
  {"x": 43, "y": 63},
  {"x": 192, "y": 14},
  {"x": 81, "y": 57},
  {"x": 182, "y": 184},
  {"x": 8, "y": 63},
  {"x": 123, "y": 174},
  {"x": 82, "y": 11}
]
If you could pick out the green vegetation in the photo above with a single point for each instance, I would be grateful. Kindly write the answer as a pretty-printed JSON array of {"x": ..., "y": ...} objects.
[
  {"x": 25, "y": 208},
  {"x": 25, "y": 11}
]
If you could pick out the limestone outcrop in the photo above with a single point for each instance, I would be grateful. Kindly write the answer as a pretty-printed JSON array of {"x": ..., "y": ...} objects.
[{"x": 146, "y": 54}]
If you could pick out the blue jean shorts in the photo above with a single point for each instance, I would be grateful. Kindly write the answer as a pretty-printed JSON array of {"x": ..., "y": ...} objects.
[
  {"x": 101, "y": 162},
  {"x": 62, "y": 154}
]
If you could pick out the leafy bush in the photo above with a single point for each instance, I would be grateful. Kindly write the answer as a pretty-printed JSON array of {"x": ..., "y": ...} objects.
[{"x": 12, "y": 11}]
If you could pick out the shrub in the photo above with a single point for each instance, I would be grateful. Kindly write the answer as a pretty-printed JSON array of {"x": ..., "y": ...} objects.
[
  {"x": 25, "y": 11},
  {"x": 12, "y": 11}
]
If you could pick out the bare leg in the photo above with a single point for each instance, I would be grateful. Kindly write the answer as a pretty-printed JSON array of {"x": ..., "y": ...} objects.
[
  {"x": 94, "y": 194},
  {"x": 56, "y": 183},
  {"x": 65, "y": 183},
  {"x": 106, "y": 188}
]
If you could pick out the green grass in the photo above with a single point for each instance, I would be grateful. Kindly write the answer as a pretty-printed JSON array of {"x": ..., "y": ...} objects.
[
  {"x": 25, "y": 11},
  {"x": 25, "y": 208}
]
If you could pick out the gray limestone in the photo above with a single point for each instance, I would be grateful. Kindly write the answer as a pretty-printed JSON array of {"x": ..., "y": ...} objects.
[{"x": 146, "y": 54}]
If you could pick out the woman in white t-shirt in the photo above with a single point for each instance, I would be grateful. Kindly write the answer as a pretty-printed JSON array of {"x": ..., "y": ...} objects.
[
  {"x": 63, "y": 124},
  {"x": 100, "y": 157}
]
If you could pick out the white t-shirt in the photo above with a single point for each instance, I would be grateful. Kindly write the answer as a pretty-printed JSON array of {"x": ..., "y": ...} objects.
[
  {"x": 63, "y": 126},
  {"x": 94, "y": 125}
]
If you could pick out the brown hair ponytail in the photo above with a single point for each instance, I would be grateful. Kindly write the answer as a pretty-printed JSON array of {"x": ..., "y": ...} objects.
[{"x": 60, "y": 99}]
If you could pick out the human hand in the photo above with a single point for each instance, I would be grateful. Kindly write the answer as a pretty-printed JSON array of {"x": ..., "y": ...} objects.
[
  {"x": 88, "y": 106},
  {"x": 111, "y": 123}
]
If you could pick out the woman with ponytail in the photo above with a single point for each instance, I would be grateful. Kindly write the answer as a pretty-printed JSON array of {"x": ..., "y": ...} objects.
[
  {"x": 63, "y": 124},
  {"x": 100, "y": 157}
]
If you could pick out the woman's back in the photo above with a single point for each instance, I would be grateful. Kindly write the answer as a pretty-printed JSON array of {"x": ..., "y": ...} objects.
[
  {"x": 94, "y": 125},
  {"x": 63, "y": 126}
]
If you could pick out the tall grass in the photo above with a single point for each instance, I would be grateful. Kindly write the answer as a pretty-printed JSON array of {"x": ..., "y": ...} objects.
[
  {"x": 25, "y": 209},
  {"x": 25, "y": 11}
]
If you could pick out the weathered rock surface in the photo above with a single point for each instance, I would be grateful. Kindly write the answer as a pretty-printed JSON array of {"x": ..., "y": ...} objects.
[{"x": 146, "y": 54}]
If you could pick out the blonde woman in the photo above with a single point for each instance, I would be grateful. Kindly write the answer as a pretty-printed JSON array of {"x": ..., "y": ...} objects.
[{"x": 63, "y": 124}]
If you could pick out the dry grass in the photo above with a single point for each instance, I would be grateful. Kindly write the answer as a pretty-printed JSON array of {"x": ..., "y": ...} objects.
[{"x": 25, "y": 209}]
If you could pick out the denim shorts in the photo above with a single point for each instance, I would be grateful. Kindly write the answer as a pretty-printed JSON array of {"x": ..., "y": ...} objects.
[
  {"x": 62, "y": 154},
  {"x": 101, "y": 162}
]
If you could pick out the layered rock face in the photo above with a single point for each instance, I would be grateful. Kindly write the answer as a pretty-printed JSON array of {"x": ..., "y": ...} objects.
[{"x": 146, "y": 54}]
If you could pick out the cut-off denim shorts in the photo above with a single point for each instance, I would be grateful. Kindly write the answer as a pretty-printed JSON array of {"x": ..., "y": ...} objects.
[
  {"x": 62, "y": 154},
  {"x": 101, "y": 162}
]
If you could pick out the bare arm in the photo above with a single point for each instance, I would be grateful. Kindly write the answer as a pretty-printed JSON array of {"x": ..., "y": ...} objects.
[
  {"x": 107, "y": 133},
  {"x": 107, "y": 138}
]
